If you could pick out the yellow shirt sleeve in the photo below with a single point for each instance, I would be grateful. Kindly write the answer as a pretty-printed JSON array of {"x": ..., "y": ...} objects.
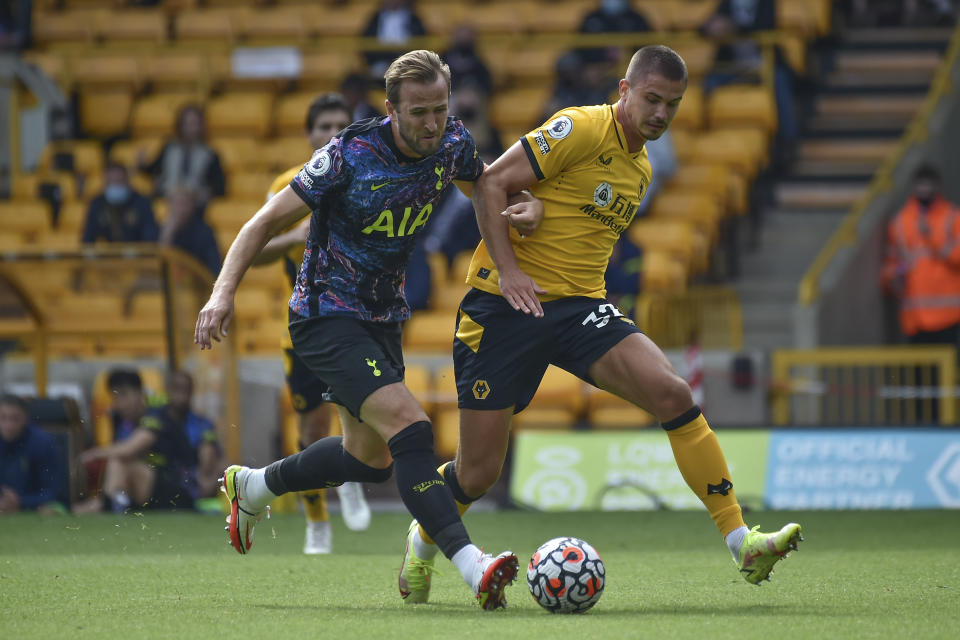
[{"x": 567, "y": 139}]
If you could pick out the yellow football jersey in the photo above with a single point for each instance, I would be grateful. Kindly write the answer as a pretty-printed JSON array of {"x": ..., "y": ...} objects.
[
  {"x": 591, "y": 187},
  {"x": 294, "y": 256}
]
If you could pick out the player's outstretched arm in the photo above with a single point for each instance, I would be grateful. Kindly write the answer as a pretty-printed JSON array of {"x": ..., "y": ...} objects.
[
  {"x": 510, "y": 173},
  {"x": 278, "y": 213},
  {"x": 278, "y": 246}
]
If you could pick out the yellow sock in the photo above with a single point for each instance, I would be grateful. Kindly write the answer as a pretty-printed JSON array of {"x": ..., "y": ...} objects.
[
  {"x": 315, "y": 505},
  {"x": 701, "y": 462},
  {"x": 461, "y": 509}
]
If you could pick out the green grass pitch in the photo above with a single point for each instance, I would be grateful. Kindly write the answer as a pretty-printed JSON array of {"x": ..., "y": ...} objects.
[{"x": 857, "y": 575}]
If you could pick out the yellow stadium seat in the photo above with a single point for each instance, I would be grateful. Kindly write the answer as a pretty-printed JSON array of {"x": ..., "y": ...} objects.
[
  {"x": 689, "y": 15},
  {"x": 607, "y": 411},
  {"x": 286, "y": 152},
  {"x": 446, "y": 432},
  {"x": 289, "y": 26},
  {"x": 430, "y": 331},
  {"x": 558, "y": 403},
  {"x": 323, "y": 70},
  {"x": 228, "y": 215},
  {"x": 704, "y": 178},
  {"x": 702, "y": 209},
  {"x": 442, "y": 16},
  {"x": 439, "y": 270},
  {"x": 51, "y": 63},
  {"x": 213, "y": 27},
  {"x": 72, "y": 218},
  {"x": 444, "y": 395},
  {"x": 106, "y": 71},
  {"x": 460, "y": 266},
  {"x": 64, "y": 28},
  {"x": 662, "y": 272},
  {"x": 796, "y": 17},
  {"x": 250, "y": 185},
  {"x": 346, "y": 19},
  {"x": 137, "y": 26},
  {"x": 237, "y": 154},
  {"x": 495, "y": 18},
  {"x": 290, "y": 113},
  {"x": 55, "y": 240},
  {"x": 562, "y": 16},
  {"x": 80, "y": 156},
  {"x": 105, "y": 113},
  {"x": 418, "y": 380},
  {"x": 11, "y": 241},
  {"x": 29, "y": 186},
  {"x": 690, "y": 114},
  {"x": 698, "y": 54},
  {"x": 743, "y": 149},
  {"x": 519, "y": 108},
  {"x": 177, "y": 71},
  {"x": 742, "y": 105},
  {"x": 679, "y": 238},
  {"x": 156, "y": 115},
  {"x": 239, "y": 114},
  {"x": 29, "y": 219}
]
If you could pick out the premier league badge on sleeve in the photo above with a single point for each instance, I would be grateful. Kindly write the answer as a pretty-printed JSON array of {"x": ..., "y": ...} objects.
[
  {"x": 560, "y": 128},
  {"x": 320, "y": 164}
]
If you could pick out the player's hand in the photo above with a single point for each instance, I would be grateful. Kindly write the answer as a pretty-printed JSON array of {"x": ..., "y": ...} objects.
[
  {"x": 213, "y": 321},
  {"x": 9, "y": 500},
  {"x": 525, "y": 217},
  {"x": 521, "y": 291}
]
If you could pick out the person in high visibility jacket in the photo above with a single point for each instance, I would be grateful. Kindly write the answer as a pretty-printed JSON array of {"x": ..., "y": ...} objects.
[{"x": 922, "y": 263}]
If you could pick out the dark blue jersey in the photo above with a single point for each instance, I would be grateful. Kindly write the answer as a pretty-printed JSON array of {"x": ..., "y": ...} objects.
[{"x": 369, "y": 201}]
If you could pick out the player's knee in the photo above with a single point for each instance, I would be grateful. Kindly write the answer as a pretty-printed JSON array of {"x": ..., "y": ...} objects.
[
  {"x": 476, "y": 479},
  {"x": 674, "y": 397}
]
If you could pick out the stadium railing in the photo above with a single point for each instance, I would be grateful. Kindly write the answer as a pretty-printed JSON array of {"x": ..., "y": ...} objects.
[
  {"x": 127, "y": 301},
  {"x": 711, "y": 315},
  {"x": 840, "y": 386}
]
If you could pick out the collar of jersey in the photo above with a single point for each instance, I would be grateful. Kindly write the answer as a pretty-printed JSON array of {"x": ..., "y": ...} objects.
[{"x": 622, "y": 135}]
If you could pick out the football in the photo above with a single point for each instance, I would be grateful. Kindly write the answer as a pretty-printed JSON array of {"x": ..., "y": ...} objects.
[{"x": 566, "y": 575}]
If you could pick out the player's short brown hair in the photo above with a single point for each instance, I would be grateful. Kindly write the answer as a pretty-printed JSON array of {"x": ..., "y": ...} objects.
[
  {"x": 659, "y": 59},
  {"x": 419, "y": 66}
]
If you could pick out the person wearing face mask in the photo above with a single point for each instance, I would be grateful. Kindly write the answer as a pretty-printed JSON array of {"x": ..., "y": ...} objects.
[
  {"x": 612, "y": 16},
  {"x": 922, "y": 263},
  {"x": 119, "y": 214}
]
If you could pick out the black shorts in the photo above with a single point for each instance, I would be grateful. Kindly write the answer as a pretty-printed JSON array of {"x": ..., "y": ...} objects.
[
  {"x": 353, "y": 357},
  {"x": 306, "y": 389},
  {"x": 500, "y": 354}
]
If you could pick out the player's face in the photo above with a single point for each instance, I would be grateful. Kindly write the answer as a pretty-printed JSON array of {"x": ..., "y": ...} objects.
[
  {"x": 325, "y": 125},
  {"x": 420, "y": 116},
  {"x": 650, "y": 105},
  {"x": 128, "y": 402}
]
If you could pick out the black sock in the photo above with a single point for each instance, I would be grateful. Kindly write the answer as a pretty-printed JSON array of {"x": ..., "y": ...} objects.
[
  {"x": 450, "y": 475},
  {"x": 425, "y": 494},
  {"x": 323, "y": 464}
]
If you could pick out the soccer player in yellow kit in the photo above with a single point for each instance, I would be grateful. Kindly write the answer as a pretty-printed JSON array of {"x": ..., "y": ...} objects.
[
  {"x": 541, "y": 300},
  {"x": 327, "y": 115}
]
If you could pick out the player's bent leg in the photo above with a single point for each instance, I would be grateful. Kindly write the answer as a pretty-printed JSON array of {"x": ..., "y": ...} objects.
[
  {"x": 761, "y": 551},
  {"x": 428, "y": 497},
  {"x": 484, "y": 436}
]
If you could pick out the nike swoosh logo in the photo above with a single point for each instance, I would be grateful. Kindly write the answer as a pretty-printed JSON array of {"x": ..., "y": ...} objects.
[{"x": 374, "y": 187}]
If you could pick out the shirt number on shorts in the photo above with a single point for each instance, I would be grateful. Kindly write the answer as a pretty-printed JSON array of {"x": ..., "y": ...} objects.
[{"x": 606, "y": 312}]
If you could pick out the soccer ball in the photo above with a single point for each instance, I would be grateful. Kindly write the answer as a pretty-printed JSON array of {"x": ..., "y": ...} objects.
[{"x": 566, "y": 575}]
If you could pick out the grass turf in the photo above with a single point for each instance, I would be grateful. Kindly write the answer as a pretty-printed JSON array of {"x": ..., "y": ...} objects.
[{"x": 858, "y": 575}]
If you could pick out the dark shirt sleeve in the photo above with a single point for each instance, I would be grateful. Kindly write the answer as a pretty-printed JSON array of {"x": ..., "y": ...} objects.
[
  {"x": 90, "y": 231},
  {"x": 155, "y": 167},
  {"x": 149, "y": 231},
  {"x": 469, "y": 163},
  {"x": 216, "y": 179}
]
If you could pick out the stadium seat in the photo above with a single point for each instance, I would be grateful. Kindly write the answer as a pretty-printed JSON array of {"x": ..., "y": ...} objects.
[
  {"x": 290, "y": 115},
  {"x": 60, "y": 29},
  {"x": 177, "y": 71},
  {"x": 519, "y": 108},
  {"x": 495, "y": 18},
  {"x": 140, "y": 27},
  {"x": 662, "y": 272},
  {"x": 743, "y": 149},
  {"x": 286, "y": 152},
  {"x": 430, "y": 331},
  {"x": 80, "y": 156},
  {"x": 796, "y": 17},
  {"x": 699, "y": 208},
  {"x": 105, "y": 113},
  {"x": 558, "y": 403},
  {"x": 72, "y": 218},
  {"x": 742, "y": 105},
  {"x": 607, "y": 411},
  {"x": 562, "y": 16},
  {"x": 56, "y": 240},
  {"x": 704, "y": 178},
  {"x": 126, "y": 152},
  {"x": 439, "y": 270},
  {"x": 417, "y": 378},
  {"x": 212, "y": 27},
  {"x": 689, "y": 15},
  {"x": 29, "y": 219},
  {"x": 446, "y": 432},
  {"x": 250, "y": 185},
  {"x": 348, "y": 19},
  {"x": 699, "y": 55},
  {"x": 10, "y": 241},
  {"x": 323, "y": 70},
  {"x": 679, "y": 238},
  {"x": 442, "y": 15},
  {"x": 240, "y": 114},
  {"x": 447, "y": 294},
  {"x": 30, "y": 186},
  {"x": 289, "y": 26},
  {"x": 228, "y": 215},
  {"x": 690, "y": 114},
  {"x": 53, "y": 64},
  {"x": 238, "y": 154},
  {"x": 106, "y": 72},
  {"x": 444, "y": 394}
]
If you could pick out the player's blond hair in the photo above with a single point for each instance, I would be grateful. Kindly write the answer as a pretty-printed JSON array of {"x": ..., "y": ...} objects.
[
  {"x": 419, "y": 66},
  {"x": 659, "y": 59}
]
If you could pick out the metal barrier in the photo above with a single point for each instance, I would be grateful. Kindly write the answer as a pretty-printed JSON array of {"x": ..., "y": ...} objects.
[
  {"x": 121, "y": 301},
  {"x": 709, "y": 315},
  {"x": 838, "y": 386}
]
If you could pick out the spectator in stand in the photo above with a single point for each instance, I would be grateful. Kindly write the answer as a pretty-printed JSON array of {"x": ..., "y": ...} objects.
[
  {"x": 15, "y": 25},
  {"x": 119, "y": 214},
  {"x": 187, "y": 230},
  {"x": 188, "y": 159},
  {"x": 200, "y": 431},
  {"x": 469, "y": 103},
  {"x": 394, "y": 23},
  {"x": 742, "y": 60},
  {"x": 466, "y": 67},
  {"x": 922, "y": 263},
  {"x": 151, "y": 466},
  {"x": 580, "y": 83},
  {"x": 354, "y": 89},
  {"x": 31, "y": 467},
  {"x": 612, "y": 16}
]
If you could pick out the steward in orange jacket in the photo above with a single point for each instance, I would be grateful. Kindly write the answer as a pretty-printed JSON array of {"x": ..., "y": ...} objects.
[{"x": 922, "y": 262}]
